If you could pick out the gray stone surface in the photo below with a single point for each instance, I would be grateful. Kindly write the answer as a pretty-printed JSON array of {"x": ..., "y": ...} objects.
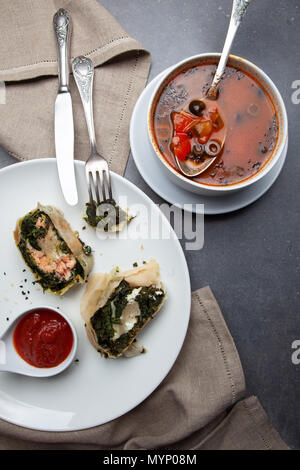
[{"x": 251, "y": 257}]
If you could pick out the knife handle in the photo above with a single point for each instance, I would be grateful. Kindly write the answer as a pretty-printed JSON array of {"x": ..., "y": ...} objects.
[
  {"x": 83, "y": 72},
  {"x": 61, "y": 24}
]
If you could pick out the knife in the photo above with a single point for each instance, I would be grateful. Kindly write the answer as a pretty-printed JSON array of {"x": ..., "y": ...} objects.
[{"x": 64, "y": 126}]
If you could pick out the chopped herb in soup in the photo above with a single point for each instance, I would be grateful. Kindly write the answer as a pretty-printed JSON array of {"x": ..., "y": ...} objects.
[{"x": 183, "y": 123}]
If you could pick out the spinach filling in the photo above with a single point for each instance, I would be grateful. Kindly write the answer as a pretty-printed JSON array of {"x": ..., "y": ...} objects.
[
  {"x": 103, "y": 320},
  {"x": 108, "y": 214},
  {"x": 31, "y": 234}
]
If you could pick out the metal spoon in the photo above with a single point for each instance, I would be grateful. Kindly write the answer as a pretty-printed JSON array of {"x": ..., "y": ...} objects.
[
  {"x": 239, "y": 9},
  {"x": 189, "y": 167}
]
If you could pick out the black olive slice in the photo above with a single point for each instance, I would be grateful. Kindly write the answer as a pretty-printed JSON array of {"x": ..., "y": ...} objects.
[
  {"x": 196, "y": 107},
  {"x": 198, "y": 150},
  {"x": 198, "y": 153},
  {"x": 213, "y": 148}
]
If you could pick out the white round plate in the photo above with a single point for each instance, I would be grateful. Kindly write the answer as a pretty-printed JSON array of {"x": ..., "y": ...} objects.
[
  {"x": 94, "y": 390},
  {"x": 150, "y": 169}
]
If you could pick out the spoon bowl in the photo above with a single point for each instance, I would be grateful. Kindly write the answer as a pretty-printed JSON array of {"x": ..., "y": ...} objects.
[
  {"x": 210, "y": 152},
  {"x": 11, "y": 361},
  {"x": 192, "y": 168}
]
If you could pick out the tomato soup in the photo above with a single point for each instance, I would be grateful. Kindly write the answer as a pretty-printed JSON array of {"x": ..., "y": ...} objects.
[
  {"x": 43, "y": 338},
  {"x": 243, "y": 108}
]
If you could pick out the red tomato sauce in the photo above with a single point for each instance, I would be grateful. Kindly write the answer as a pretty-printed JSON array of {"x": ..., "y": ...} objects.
[{"x": 43, "y": 338}]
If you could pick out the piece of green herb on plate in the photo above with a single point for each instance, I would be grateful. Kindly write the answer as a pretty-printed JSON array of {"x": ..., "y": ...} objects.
[{"x": 108, "y": 216}]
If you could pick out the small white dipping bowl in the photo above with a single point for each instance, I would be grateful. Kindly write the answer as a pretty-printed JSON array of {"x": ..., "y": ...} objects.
[
  {"x": 267, "y": 84},
  {"x": 11, "y": 361}
]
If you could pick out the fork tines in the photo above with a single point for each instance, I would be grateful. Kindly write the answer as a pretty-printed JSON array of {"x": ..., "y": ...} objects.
[{"x": 99, "y": 184}]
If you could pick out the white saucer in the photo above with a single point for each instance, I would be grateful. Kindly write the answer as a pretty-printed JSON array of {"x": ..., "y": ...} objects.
[{"x": 149, "y": 168}]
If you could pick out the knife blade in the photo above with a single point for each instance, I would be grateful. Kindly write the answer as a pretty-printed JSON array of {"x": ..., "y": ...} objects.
[{"x": 63, "y": 121}]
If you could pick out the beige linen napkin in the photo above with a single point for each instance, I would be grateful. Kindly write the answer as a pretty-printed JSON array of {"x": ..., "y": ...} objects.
[
  {"x": 28, "y": 66},
  {"x": 190, "y": 408}
]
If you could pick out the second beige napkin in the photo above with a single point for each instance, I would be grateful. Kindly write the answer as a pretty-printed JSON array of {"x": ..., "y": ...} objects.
[{"x": 28, "y": 66}]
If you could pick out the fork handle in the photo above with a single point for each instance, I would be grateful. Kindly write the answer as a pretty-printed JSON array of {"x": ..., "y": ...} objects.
[
  {"x": 83, "y": 71},
  {"x": 61, "y": 24}
]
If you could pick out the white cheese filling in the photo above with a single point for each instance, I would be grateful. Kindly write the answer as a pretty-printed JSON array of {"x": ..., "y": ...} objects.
[{"x": 133, "y": 295}]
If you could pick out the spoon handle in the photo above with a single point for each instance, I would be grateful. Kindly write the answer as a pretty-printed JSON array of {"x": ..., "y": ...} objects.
[{"x": 239, "y": 8}]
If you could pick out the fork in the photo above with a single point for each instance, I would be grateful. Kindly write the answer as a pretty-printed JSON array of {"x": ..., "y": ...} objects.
[{"x": 96, "y": 167}]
